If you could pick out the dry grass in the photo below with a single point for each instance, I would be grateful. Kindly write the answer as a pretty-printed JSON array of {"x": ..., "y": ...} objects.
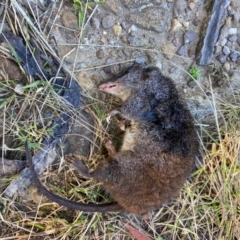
[{"x": 207, "y": 208}]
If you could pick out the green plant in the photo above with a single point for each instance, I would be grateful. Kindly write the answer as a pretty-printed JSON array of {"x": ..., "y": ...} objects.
[
  {"x": 80, "y": 7},
  {"x": 194, "y": 72}
]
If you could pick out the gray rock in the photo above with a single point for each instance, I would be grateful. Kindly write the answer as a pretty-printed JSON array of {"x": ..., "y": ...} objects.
[
  {"x": 124, "y": 25},
  {"x": 176, "y": 41},
  {"x": 192, "y": 83},
  {"x": 204, "y": 57},
  {"x": 95, "y": 23},
  {"x": 223, "y": 42},
  {"x": 108, "y": 69},
  {"x": 182, "y": 50},
  {"x": 226, "y": 50},
  {"x": 233, "y": 38},
  {"x": 226, "y": 66},
  {"x": 108, "y": 21},
  {"x": 222, "y": 58},
  {"x": 133, "y": 28},
  {"x": 218, "y": 49},
  {"x": 223, "y": 33},
  {"x": 151, "y": 18},
  {"x": 229, "y": 44},
  {"x": 234, "y": 56},
  {"x": 131, "y": 40},
  {"x": 124, "y": 38},
  {"x": 140, "y": 60},
  {"x": 232, "y": 31},
  {"x": 133, "y": 34},
  {"x": 189, "y": 36}
]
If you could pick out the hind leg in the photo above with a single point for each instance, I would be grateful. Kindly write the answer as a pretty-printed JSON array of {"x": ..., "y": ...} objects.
[{"x": 79, "y": 166}]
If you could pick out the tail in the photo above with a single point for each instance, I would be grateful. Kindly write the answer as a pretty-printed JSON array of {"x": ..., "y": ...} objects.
[{"x": 106, "y": 207}]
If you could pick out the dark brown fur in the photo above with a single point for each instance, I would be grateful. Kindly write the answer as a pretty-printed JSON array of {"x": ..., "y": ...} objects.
[{"x": 158, "y": 151}]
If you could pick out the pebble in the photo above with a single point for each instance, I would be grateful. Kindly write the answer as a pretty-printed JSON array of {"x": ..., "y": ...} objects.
[
  {"x": 117, "y": 30},
  {"x": 69, "y": 20},
  {"x": 176, "y": 41},
  {"x": 234, "y": 56},
  {"x": 130, "y": 40},
  {"x": 133, "y": 28},
  {"x": 19, "y": 89},
  {"x": 222, "y": 58},
  {"x": 232, "y": 31},
  {"x": 191, "y": 83},
  {"x": 124, "y": 38},
  {"x": 114, "y": 53},
  {"x": 168, "y": 50},
  {"x": 233, "y": 38},
  {"x": 100, "y": 54},
  {"x": 229, "y": 44},
  {"x": 186, "y": 24},
  {"x": 223, "y": 33},
  {"x": 226, "y": 66},
  {"x": 189, "y": 36},
  {"x": 95, "y": 23},
  {"x": 108, "y": 69},
  {"x": 218, "y": 49},
  {"x": 182, "y": 50},
  {"x": 140, "y": 60},
  {"x": 191, "y": 5},
  {"x": 226, "y": 50},
  {"x": 124, "y": 25},
  {"x": 133, "y": 34},
  {"x": 175, "y": 24},
  {"x": 223, "y": 42},
  {"x": 107, "y": 21},
  {"x": 102, "y": 39}
]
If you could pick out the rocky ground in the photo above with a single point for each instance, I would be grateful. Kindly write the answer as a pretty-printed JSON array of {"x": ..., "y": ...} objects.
[{"x": 162, "y": 33}]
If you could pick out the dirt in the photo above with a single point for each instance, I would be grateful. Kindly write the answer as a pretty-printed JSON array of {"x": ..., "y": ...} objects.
[{"x": 147, "y": 28}]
